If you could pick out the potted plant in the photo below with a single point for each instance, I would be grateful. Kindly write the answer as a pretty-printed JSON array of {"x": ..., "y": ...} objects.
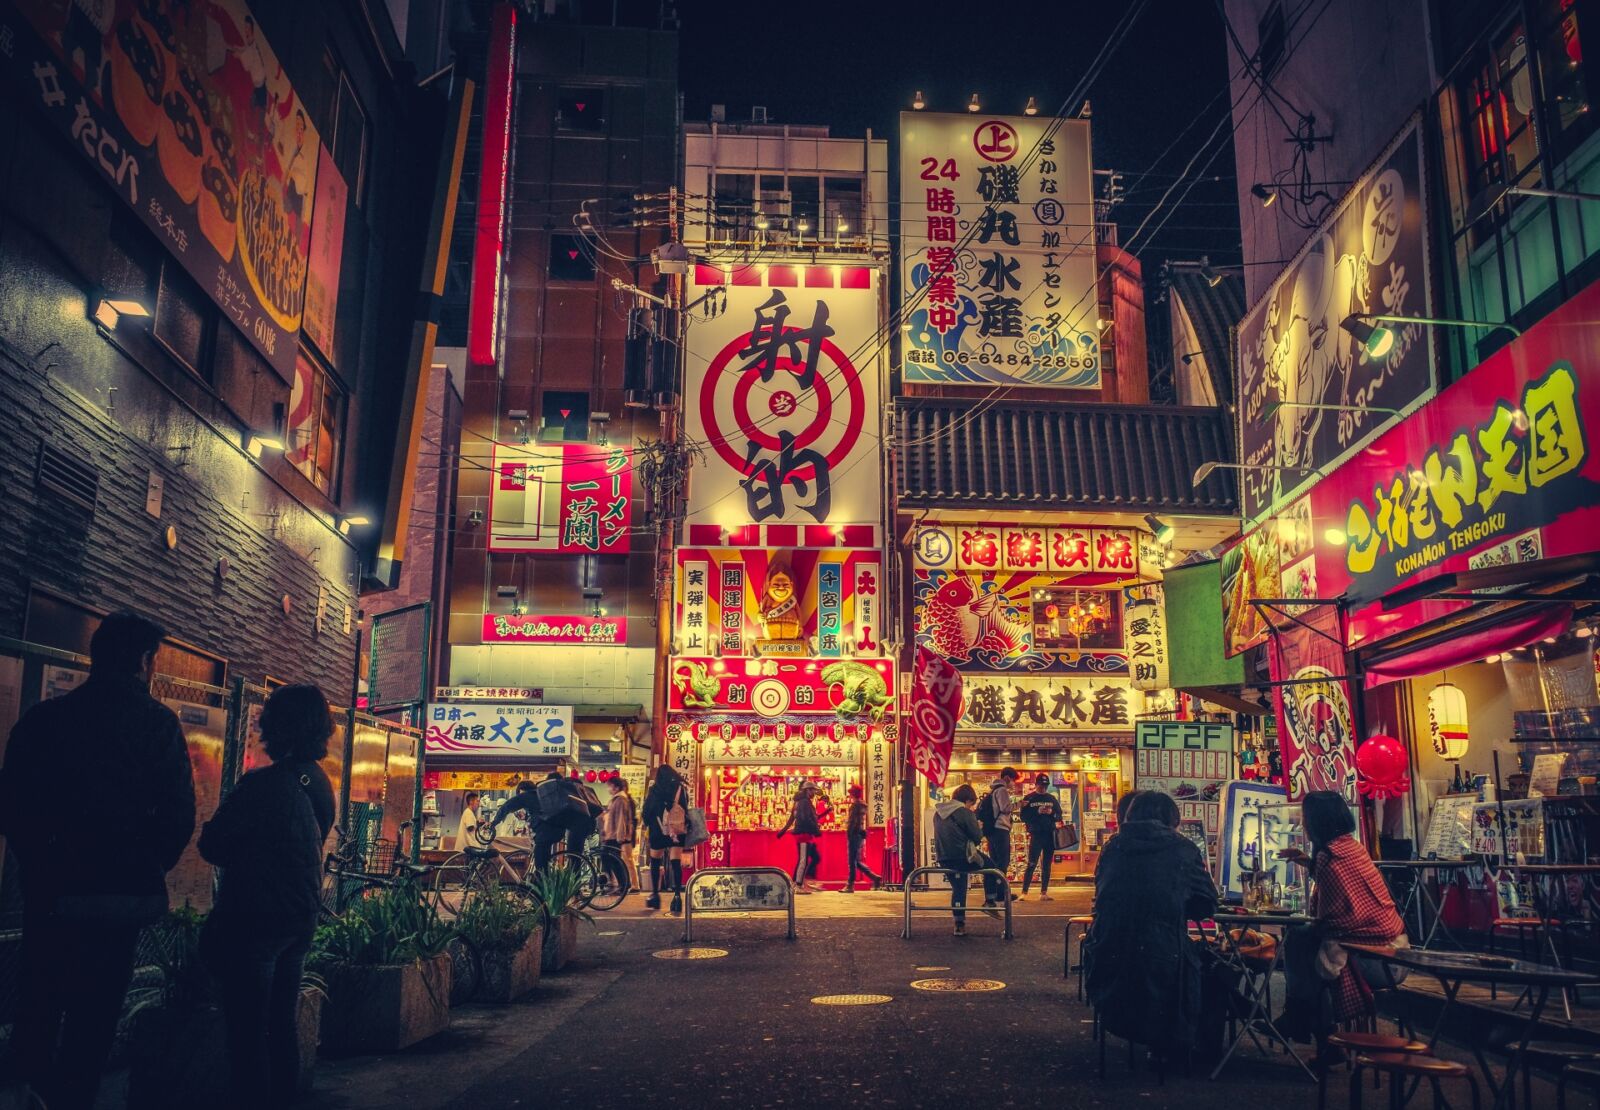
[
  {"x": 503, "y": 929},
  {"x": 177, "y": 1036},
  {"x": 560, "y": 890},
  {"x": 387, "y": 972}
]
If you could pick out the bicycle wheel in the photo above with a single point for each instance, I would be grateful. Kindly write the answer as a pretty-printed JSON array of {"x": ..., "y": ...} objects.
[
  {"x": 607, "y": 864},
  {"x": 588, "y": 880}
]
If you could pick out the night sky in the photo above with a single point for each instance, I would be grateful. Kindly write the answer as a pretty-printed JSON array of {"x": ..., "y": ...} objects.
[{"x": 856, "y": 65}]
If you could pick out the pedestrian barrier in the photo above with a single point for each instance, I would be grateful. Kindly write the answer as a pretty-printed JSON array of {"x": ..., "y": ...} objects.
[
  {"x": 726, "y": 893},
  {"x": 952, "y": 875}
]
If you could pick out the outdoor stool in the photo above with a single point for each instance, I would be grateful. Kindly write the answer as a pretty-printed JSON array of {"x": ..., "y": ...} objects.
[
  {"x": 1400, "y": 1065},
  {"x": 1553, "y": 1054},
  {"x": 1352, "y": 1043},
  {"x": 1585, "y": 1073},
  {"x": 1080, "y": 921}
]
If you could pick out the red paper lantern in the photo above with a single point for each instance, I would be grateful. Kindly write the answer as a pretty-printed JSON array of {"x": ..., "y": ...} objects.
[
  {"x": 1381, "y": 760},
  {"x": 590, "y": 776}
]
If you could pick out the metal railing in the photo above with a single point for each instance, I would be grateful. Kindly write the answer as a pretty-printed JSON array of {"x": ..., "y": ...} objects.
[
  {"x": 953, "y": 875},
  {"x": 688, "y": 897}
]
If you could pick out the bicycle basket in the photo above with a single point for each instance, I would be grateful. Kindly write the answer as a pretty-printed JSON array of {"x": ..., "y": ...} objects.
[{"x": 380, "y": 856}]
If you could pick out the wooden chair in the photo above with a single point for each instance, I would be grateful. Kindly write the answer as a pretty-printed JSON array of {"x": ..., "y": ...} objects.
[
  {"x": 1400, "y": 1066},
  {"x": 1352, "y": 1044}
]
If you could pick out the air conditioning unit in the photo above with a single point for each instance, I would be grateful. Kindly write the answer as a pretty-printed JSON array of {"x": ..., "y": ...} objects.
[
  {"x": 758, "y": 114},
  {"x": 719, "y": 113}
]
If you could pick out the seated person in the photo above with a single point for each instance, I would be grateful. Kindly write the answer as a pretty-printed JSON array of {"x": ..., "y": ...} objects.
[
  {"x": 1143, "y": 972},
  {"x": 1350, "y": 903}
]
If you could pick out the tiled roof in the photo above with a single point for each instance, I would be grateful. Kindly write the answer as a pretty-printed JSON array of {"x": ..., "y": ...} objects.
[
  {"x": 965, "y": 454},
  {"x": 1213, "y": 310}
]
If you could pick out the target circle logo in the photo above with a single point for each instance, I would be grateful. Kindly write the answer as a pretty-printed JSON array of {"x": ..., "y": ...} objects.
[
  {"x": 769, "y": 697},
  {"x": 737, "y": 408}
]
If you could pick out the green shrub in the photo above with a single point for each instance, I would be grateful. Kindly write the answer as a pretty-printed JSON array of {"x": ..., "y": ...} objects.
[
  {"x": 498, "y": 917},
  {"x": 391, "y": 926}
]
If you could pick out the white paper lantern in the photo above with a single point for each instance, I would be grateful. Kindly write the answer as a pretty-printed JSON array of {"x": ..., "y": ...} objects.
[{"x": 1447, "y": 720}]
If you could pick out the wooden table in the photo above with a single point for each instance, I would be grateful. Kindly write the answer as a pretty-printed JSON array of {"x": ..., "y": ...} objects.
[
  {"x": 1454, "y": 969},
  {"x": 1419, "y": 895},
  {"x": 1259, "y": 983}
]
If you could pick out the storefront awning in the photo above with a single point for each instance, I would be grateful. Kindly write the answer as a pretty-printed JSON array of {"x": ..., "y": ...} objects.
[{"x": 609, "y": 711}]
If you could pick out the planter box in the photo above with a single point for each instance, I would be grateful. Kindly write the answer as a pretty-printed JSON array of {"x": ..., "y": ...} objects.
[
  {"x": 384, "y": 1009},
  {"x": 506, "y": 974},
  {"x": 561, "y": 943},
  {"x": 179, "y": 1058}
]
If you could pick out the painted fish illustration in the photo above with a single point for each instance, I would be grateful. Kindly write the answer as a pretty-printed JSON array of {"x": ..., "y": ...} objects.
[{"x": 959, "y": 619}]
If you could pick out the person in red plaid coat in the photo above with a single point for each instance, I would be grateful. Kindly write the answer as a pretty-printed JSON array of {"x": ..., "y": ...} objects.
[{"x": 1350, "y": 903}]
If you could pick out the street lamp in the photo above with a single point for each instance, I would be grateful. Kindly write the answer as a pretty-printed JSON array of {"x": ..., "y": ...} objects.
[
  {"x": 1379, "y": 340},
  {"x": 973, "y": 105},
  {"x": 1271, "y": 408},
  {"x": 1203, "y": 471},
  {"x": 1485, "y": 201},
  {"x": 917, "y": 103},
  {"x": 1032, "y": 109}
]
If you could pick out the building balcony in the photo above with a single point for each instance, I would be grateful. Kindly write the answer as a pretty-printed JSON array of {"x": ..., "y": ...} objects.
[{"x": 963, "y": 454}]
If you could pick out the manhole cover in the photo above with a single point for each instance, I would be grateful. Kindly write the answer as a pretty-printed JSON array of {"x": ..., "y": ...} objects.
[
  {"x": 851, "y": 999},
  {"x": 931, "y": 967},
  {"x": 958, "y": 985},
  {"x": 690, "y": 953}
]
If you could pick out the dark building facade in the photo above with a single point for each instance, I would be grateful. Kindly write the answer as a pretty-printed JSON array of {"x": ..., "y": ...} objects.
[{"x": 193, "y": 430}]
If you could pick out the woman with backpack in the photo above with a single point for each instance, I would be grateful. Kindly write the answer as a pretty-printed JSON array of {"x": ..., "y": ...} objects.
[
  {"x": 666, "y": 819},
  {"x": 807, "y": 826}
]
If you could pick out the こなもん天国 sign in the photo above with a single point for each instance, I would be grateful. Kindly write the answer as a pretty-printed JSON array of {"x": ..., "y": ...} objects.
[
  {"x": 783, "y": 396},
  {"x": 188, "y": 115}
]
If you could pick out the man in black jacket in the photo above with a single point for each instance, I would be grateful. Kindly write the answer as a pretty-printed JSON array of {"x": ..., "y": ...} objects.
[
  {"x": 1041, "y": 813},
  {"x": 855, "y": 841},
  {"x": 90, "y": 879}
]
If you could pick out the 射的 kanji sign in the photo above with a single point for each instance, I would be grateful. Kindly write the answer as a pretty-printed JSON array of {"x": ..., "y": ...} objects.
[
  {"x": 851, "y": 689},
  {"x": 571, "y": 498},
  {"x": 783, "y": 396}
]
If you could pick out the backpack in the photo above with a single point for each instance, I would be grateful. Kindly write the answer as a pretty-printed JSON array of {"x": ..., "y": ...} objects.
[
  {"x": 674, "y": 819},
  {"x": 986, "y": 814}
]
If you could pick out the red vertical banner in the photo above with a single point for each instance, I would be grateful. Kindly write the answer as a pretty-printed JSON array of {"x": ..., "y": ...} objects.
[
  {"x": 935, "y": 706},
  {"x": 1316, "y": 733},
  {"x": 483, "y": 322}
]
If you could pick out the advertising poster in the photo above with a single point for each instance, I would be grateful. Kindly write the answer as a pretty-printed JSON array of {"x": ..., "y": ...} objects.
[
  {"x": 1255, "y": 828},
  {"x": 327, "y": 256},
  {"x": 204, "y": 726},
  {"x": 571, "y": 498},
  {"x": 500, "y": 731},
  {"x": 187, "y": 113},
  {"x": 783, "y": 396},
  {"x": 1369, "y": 256},
  {"x": 998, "y": 251}
]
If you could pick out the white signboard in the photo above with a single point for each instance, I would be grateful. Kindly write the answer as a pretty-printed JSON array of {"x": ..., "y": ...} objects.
[
  {"x": 682, "y": 751},
  {"x": 697, "y": 638},
  {"x": 500, "y": 731},
  {"x": 784, "y": 396},
  {"x": 1144, "y": 625},
  {"x": 998, "y": 251},
  {"x": 488, "y": 693},
  {"x": 1046, "y": 703},
  {"x": 880, "y": 753}
]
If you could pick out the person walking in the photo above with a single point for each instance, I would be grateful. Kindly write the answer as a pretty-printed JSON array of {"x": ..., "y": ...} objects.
[
  {"x": 89, "y": 885},
  {"x": 995, "y": 814},
  {"x": 855, "y": 841},
  {"x": 956, "y": 838},
  {"x": 1041, "y": 816},
  {"x": 666, "y": 819},
  {"x": 617, "y": 830},
  {"x": 807, "y": 832},
  {"x": 266, "y": 838},
  {"x": 467, "y": 831}
]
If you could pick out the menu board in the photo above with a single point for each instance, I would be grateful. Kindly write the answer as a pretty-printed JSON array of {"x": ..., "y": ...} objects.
[
  {"x": 1524, "y": 831},
  {"x": 1190, "y": 760},
  {"x": 190, "y": 883},
  {"x": 1449, "y": 833}
]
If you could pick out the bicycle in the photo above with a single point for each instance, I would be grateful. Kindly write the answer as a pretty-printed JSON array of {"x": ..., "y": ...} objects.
[
  {"x": 598, "y": 867},
  {"x": 347, "y": 880}
]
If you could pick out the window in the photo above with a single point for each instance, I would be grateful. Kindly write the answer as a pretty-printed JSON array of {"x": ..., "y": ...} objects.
[
  {"x": 185, "y": 319},
  {"x": 1494, "y": 99},
  {"x": 805, "y": 195},
  {"x": 733, "y": 206},
  {"x": 349, "y": 143},
  {"x": 1074, "y": 619},
  {"x": 563, "y": 416},
  {"x": 315, "y": 422},
  {"x": 1270, "y": 39},
  {"x": 581, "y": 110},
  {"x": 841, "y": 203},
  {"x": 570, "y": 258}
]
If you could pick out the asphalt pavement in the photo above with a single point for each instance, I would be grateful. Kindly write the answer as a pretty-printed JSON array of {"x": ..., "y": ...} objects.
[{"x": 624, "y": 1027}]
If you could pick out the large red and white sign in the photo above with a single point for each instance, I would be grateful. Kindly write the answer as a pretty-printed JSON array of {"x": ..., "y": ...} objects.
[
  {"x": 528, "y": 628},
  {"x": 483, "y": 323},
  {"x": 784, "y": 396},
  {"x": 852, "y": 689},
  {"x": 935, "y": 705},
  {"x": 573, "y": 498}
]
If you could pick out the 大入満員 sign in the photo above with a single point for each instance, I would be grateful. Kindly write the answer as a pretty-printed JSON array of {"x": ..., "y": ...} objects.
[
  {"x": 530, "y": 628},
  {"x": 186, "y": 112},
  {"x": 499, "y": 731},
  {"x": 1037, "y": 703},
  {"x": 1369, "y": 256},
  {"x": 783, "y": 392},
  {"x": 851, "y": 689},
  {"x": 573, "y": 498},
  {"x": 998, "y": 251}
]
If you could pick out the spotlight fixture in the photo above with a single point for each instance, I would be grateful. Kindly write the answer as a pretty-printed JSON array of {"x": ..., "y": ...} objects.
[
  {"x": 1212, "y": 278},
  {"x": 1162, "y": 530},
  {"x": 917, "y": 103},
  {"x": 354, "y": 520},
  {"x": 108, "y": 310},
  {"x": 1376, "y": 339},
  {"x": 256, "y": 442},
  {"x": 1266, "y": 194},
  {"x": 1032, "y": 109},
  {"x": 1335, "y": 536},
  {"x": 973, "y": 105}
]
